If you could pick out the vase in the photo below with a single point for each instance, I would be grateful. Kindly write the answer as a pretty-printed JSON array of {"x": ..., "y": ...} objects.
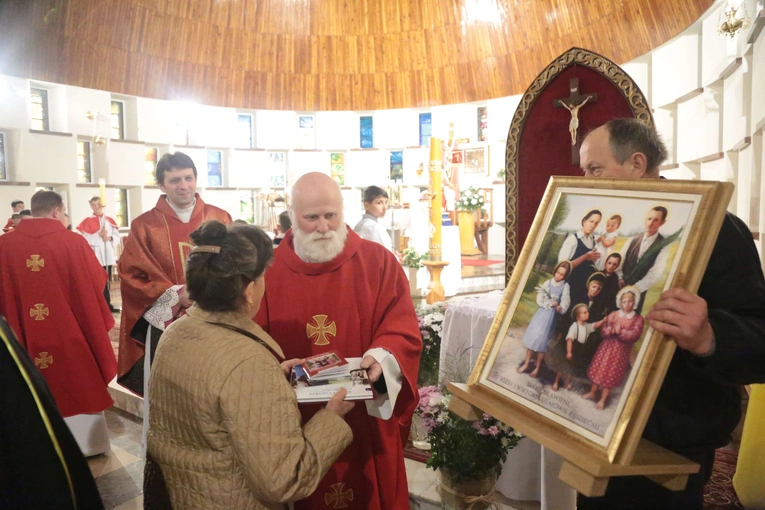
[
  {"x": 466, "y": 220},
  {"x": 468, "y": 494},
  {"x": 418, "y": 435},
  {"x": 412, "y": 273}
]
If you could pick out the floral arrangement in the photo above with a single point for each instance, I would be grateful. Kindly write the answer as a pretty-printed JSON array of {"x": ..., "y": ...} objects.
[
  {"x": 431, "y": 319},
  {"x": 413, "y": 259},
  {"x": 470, "y": 199},
  {"x": 465, "y": 450}
]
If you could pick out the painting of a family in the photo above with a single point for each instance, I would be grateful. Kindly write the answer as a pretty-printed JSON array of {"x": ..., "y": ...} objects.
[{"x": 580, "y": 317}]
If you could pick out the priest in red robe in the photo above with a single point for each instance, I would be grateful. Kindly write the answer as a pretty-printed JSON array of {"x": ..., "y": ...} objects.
[
  {"x": 153, "y": 263},
  {"x": 328, "y": 289},
  {"x": 51, "y": 294}
]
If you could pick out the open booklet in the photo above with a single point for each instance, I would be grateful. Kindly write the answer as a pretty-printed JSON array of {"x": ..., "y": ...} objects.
[{"x": 321, "y": 388}]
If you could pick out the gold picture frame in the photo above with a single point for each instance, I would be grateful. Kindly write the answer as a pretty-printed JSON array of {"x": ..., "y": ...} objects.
[{"x": 694, "y": 211}]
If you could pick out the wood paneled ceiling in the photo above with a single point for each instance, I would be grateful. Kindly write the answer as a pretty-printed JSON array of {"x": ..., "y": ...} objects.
[{"x": 322, "y": 54}]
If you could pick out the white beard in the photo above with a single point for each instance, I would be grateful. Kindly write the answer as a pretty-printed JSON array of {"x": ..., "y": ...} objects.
[{"x": 318, "y": 248}]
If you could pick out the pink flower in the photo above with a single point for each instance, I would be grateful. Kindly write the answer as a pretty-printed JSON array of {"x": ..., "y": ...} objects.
[{"x": 493, "y": 430}]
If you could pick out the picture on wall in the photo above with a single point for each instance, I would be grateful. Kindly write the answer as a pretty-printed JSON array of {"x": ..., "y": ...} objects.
[
  {"x": 337, "y": 167},
  {"x": 476, "y": 160},
  {"x": 573, "y": 345},
  {"x": 397, "y": 165},
  {"x": 277, "y": 171}
]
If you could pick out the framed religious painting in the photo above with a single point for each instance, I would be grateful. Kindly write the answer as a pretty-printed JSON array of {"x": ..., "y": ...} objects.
[
  {"x": 476, "y": 160},
  {"x": 570, "y": 349}
]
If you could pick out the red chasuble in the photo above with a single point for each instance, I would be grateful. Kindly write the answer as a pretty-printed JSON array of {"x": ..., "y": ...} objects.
[
  {"x": 92, "y": 224},
  {"x": 358, "y": 301},
  {"x": 52, "y": 294},
  {"x": 152, "y": 261}
]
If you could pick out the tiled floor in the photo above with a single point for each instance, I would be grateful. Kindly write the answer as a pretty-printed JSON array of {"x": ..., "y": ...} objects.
[{"x": 119, "y": 473}]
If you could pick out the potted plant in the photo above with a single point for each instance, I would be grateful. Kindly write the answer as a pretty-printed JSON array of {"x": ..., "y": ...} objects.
[
  {"x": 467, "y": 454},
  {"x": 412, "y": 260},
  {"x": 470, "y": 201}
]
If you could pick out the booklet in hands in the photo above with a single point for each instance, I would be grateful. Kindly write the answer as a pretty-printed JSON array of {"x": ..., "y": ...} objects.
[{"x": 323, "y": 385}]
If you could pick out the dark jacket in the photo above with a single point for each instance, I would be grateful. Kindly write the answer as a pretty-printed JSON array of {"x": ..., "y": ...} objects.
[
  {"x": 32, "y": 473},
  {"x": 699, "y": 403}
]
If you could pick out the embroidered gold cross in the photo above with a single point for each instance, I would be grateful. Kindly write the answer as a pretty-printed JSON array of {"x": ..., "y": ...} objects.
[
  {"x": 43, "y": 360},
  {"x": 337, "y": 497},
  {"x": 39, "y": 312},
  {"x": 321, "y": 330},
  {"x": 35, "y": 263}
]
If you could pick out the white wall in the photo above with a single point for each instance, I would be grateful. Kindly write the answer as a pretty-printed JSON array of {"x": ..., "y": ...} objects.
[{"x": 716, "y": 121}]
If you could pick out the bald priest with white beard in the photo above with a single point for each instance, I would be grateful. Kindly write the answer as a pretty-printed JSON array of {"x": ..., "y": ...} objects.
[{"x": 328, "y": 289}]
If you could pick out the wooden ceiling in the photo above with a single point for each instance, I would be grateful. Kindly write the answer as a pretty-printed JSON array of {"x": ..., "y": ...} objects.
[{"x": 322, "y": 54}]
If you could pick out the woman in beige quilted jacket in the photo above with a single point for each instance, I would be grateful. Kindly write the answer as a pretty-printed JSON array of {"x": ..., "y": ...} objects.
[{"x": 224, "y": 428}]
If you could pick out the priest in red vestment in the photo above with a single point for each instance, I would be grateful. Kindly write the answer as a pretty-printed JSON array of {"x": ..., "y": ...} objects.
[
  {"x": 328, "y": 289},
  {"x": 51, "y": 294},
  {"x": 153, "y": 263},
  {"x": 17, "y": 206}
]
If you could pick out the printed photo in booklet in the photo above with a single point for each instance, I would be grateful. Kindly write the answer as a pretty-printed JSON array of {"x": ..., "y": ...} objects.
[
  {"x": 321, "y": 387},
  {"x": 322, "y": 363}
]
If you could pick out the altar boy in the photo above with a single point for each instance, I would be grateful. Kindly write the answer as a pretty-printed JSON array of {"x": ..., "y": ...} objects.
[{"x": 375, "y": 206}]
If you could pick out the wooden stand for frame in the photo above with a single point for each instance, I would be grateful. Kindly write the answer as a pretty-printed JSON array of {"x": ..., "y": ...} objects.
[{"x": 582, "y": 469}]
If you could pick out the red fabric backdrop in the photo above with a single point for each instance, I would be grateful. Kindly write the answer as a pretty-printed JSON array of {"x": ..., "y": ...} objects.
[{"x": 544, "y": 148}]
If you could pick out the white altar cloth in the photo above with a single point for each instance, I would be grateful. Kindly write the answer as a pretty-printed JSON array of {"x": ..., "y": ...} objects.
[{"x": 531, "y": 470}]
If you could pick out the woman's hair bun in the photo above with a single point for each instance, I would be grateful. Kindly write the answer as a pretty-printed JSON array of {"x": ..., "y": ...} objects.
[{"x": 211, "y": 232}]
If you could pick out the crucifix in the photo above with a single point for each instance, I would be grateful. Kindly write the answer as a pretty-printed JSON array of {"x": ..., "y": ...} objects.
[{"x": 573, "y": 103}]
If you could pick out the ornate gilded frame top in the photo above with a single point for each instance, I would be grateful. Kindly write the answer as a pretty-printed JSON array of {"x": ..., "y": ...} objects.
[{"x": 575, "y": 56}]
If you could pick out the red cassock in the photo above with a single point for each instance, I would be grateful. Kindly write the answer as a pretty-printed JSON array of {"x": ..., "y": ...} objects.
[
  {"x": 358, "y": 301},
  {"x": 92, "y": 224},
  {"x": 152, "y": 261},
  {"x": 52, "y": 294}
]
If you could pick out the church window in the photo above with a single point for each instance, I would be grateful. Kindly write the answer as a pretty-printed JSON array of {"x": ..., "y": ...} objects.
[
  {"x": 150, "y": 165},
  {"x": 306, "y": 132},
  {"x": 244, "y": 131},
  {"x": 39, "y": 109},
  {"x": 425, "y": 128},
  {"x": 277, "y": 171},
  {"x": 366, "y": 132},
  {"x": 83, "y": 162},
  {"x": 397, "y": 165},
  {"x": 121, "y": 207},
  {"x": 214, "y": 169},
  {"x": 118, "y": 120},
  {"x": 247, "y": 205}
]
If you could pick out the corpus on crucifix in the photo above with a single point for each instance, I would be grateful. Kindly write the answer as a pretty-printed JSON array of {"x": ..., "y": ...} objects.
[{"x": 573, "y": 103}]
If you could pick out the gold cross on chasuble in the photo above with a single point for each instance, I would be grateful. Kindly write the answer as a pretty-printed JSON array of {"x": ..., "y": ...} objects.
[
  {"x": 39, "y": 312},
  {"x": 320, "y": 330},
  {"x": 43, "y": 360},
  {"x": 34, "y": 263},
  {"x": 337, "y": 497}
]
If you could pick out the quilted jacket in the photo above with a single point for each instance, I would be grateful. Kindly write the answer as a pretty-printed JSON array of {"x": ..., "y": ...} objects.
[{"x": 224, "y": 425}]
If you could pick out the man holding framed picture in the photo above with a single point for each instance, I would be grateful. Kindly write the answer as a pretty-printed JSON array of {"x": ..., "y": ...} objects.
[{"x": 720, "y": 333}]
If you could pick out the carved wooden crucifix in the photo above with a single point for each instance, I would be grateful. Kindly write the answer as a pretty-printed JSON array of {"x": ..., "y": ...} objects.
[{"x": 573, "y": 103}]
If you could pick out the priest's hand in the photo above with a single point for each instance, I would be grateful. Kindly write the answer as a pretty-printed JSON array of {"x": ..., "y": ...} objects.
[
  {"x": 373, "y": 368},
  {"x": 287, "y": 365},
  {"x": 682, "y": 315},
  {"x": 337, "y": 403},
  {"x": 185, "y": 302}
]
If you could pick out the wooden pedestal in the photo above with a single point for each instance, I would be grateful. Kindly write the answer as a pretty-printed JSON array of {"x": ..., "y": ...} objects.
[
  {"x": 436, "y": 291},
  {"x": 586, "y": 472}
]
